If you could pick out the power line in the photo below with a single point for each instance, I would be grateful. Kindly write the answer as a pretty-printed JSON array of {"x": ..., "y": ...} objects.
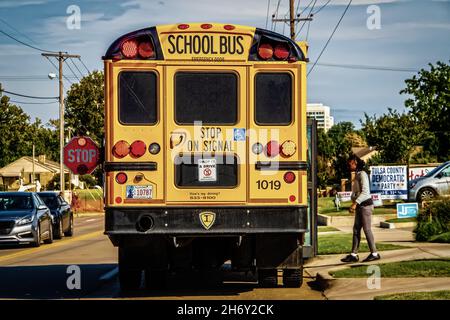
[
  {"x": 267, "y": 15},
  {"x": 89, "y": 72},
  {"x": 276, "y": 15},
  {"x": 54, "y": 65},
  {"x": 14, "y": 29},
  {"x": 308, "y": 16},
  {"x": 331, "y": 36},
  {"x": 320, "y": 9},
  {"x": 70, "y": 68},
  {"x": 367, "y": 67},
  {"x": 82, "y": 75},
  {"x": 26, "y": 96},
  {"x": 23, "y": 102},
  {"x": 24, "y": 43}
]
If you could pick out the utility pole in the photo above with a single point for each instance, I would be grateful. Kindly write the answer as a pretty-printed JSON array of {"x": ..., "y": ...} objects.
[
  {"x": 61, "y": 57},
  {"x": 292, "y": 20}
]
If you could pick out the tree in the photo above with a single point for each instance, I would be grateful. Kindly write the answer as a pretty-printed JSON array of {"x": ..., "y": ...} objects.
[
  {"x": 343, "y": 147},
  {"x": 395, "y": 135},
  {"x": 85, "y": 107},
  {"x": 430, "y": 105}
]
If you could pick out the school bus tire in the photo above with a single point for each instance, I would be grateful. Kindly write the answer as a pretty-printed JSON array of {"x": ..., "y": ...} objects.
[
  {"x": 293, "y": 278},
  {"x": 129, "y": 274},
  {"x": 268, "y": 278}
]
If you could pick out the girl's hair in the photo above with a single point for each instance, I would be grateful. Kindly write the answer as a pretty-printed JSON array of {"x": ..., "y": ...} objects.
[{"x": 360, "y": 164}]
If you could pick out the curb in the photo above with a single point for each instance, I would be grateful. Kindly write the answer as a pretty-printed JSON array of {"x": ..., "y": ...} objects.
[{"x": 397, "y": 225}]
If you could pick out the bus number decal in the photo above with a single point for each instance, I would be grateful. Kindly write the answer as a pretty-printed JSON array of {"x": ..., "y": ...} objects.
[{"x": 272, "y": 184}]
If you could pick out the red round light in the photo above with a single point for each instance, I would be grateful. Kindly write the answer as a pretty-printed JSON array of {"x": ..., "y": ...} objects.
[
  {"x": 121, "y": 149},
  {"x": 146, "y": 50},
  {"x": 206, "y": 26},
  {"x": 129, "y": 49},
  {"x": 183, "y": 26},
  {"x": 138, "y": 148},
  {"x": 289, "y": 177},
  {"x": 281, "y": 52},
  {"x": 121, "y": 178},
  {"x": 265, "y": 51},
  {"x": 292, "y": 198},
  {"x": 229, "y": 27},
  {"x": 272, "y": 149},
  {"x": 118, "y": 199}
]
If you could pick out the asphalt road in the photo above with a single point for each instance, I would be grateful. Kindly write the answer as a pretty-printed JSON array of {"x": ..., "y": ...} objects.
[{"x": 47, "y": 272}]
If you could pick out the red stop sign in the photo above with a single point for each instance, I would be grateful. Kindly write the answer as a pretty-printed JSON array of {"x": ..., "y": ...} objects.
[{"x": 81, "y": 155}]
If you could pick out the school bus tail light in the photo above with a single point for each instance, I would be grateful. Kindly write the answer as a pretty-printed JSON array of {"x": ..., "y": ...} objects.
[
  {"x": 137, "y": 149},
  {"x": 281, "y": 51},
  {"x": 121, "y": 178},
  {"x": 265, "y": 51},
  {"x": 272, "y": 149},
  {"x": 121, "y": 149},
  {"x": 289, "y": 177},
  {"x": 154, "y": 148},
  {"x": 146, "y": 50},
  {"x": 288, "y": 148},
  {"x": 129, "y": 49}
]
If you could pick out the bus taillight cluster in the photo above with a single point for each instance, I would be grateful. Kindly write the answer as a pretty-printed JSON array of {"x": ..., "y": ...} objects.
[
  {"x": 273, "y": 148},
  {"x": 136, "y": 150},
  {"x": 278, "y": 51},
  {"x": 132, "y": 48}
]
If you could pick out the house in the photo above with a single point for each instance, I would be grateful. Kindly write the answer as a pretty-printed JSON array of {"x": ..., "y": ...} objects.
[
  {"x": 364, "y": 153},
  {"x": 20, "y": 172}
]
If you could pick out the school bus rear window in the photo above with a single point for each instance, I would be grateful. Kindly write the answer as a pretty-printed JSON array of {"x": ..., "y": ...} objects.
[
  {"x": 207, "y": 97},
  {"x": 273, "y": 97},
  {"x": 137, "y": 97}
]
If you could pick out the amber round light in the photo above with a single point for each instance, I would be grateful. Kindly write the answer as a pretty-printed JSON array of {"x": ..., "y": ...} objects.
[
  {"x": 288, "y": 148},
  {"x": 265, "y": 51},
  {"x": 129, "y": 49},
  {"x": 121, "y": 149}
]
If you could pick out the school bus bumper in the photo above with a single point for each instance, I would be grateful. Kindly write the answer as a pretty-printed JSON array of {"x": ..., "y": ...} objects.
[{"x": 187, "y": 221}]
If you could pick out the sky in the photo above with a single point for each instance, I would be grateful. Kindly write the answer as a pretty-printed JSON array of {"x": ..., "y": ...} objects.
[{"x": 396, "y": 34}]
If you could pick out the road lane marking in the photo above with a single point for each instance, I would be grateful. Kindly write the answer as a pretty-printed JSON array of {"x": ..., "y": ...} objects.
[{"x": 50, "y": 246}]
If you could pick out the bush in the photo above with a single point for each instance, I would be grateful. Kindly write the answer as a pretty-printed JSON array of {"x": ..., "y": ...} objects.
[{"x": 433, "y": 220}]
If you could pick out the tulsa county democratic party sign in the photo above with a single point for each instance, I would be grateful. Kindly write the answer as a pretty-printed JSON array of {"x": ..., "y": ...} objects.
[{"x": 389, "y": 181}]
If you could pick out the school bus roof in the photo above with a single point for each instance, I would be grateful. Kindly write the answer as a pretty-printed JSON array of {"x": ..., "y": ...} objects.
[{"x": 205, "y": 42}]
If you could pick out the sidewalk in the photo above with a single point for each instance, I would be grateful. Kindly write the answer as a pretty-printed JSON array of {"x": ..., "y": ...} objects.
[{"x": 357, "y": 289}]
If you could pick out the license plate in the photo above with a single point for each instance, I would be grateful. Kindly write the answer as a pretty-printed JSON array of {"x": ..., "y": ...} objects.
[{"x": 139, "y": 192}]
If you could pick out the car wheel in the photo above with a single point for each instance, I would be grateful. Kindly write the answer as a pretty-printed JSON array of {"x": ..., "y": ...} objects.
[
  {"x": 426, "y": 194},
  {"x": 37, "y": 239},
  {"x": 69, "y": 231},
  {"x": 50, "y": 234},
  {"x": 292, "y": 278},
  {"x": 58, "y": 230}
]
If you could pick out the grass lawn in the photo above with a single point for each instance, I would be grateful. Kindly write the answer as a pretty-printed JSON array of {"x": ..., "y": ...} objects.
[
  {"x": 397, "y": 220},
  {"x": 433, "y": 295},
  {"x": 442, "y": 238},
  {"x": 89, "y": 194},
  {"x": 342, "y": 243},
  {"x": 326, "y": 206},
  {"x": 327, "y": 229},
  {"x": 403, "y": 269}
]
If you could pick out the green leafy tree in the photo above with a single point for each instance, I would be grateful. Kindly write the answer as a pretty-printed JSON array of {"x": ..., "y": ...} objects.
[
  {"x": 395, "y": 135},
  {"x": 85, "y": 107},
  {"x": 339, "y": 134},
  {"x": 430, "y": 105}
]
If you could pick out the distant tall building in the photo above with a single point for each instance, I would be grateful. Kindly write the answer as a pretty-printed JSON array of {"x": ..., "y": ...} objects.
[{"x": 321, "y": 113}]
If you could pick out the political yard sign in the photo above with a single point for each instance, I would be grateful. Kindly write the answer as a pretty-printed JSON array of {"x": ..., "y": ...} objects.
[{"x": 389, "y": 181}]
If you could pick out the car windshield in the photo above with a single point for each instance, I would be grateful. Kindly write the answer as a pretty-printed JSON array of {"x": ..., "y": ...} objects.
[
  {"x": 432, "y": 172},
  {"x": 50, "y": 201},
  {"x": 15, "y": 202}
]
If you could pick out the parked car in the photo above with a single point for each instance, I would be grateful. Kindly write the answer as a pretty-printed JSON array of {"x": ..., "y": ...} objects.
[
  {"x": 62, "y": 214},
  {"x": 434, "y": 183},
  {"x": 24, "y": 218}
]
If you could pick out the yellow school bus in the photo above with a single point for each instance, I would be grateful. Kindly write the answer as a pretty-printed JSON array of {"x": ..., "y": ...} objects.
[{"x": 205, "y": 152}]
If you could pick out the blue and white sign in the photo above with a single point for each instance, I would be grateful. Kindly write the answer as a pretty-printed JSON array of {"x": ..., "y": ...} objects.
[
  {"x": 407, "y": 210},
  {"x": 389, "y": 181},
  {"x": 239, "y": 134}
]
